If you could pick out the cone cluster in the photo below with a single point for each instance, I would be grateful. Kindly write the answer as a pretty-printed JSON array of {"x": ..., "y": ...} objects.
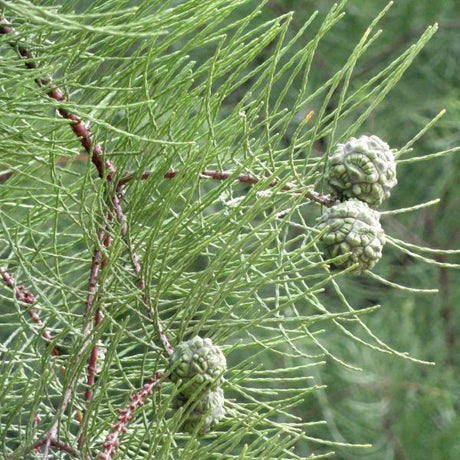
[
  {"x": 361, "y": 174},
  {"x": 198, "y": 367}
]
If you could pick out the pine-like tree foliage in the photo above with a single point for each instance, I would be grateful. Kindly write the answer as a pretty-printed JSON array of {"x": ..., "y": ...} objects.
[{"x": 176, "y": 88}]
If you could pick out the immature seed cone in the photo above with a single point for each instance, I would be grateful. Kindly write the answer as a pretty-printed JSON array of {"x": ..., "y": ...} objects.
[
  {"x": 198, "y": 360},
  {"x": 355, "y": 229},
  {"x": 205, "y": 412},
  {"x": 362, "y": 168}
]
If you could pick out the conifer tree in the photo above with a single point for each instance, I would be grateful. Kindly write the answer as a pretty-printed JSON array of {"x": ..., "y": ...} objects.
[{"x": 168, "y": 290}]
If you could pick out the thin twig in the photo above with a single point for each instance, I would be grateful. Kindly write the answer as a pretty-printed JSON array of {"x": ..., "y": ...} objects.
[
  {"x": 50, "y": 437},
  {"x": 105, "y": 169},
  {"x": 103, "y": 166},
  {"x": 97, "y": 263},
  {"x": 126, "y": 415},
  {"x": 48, "y": 441},
  {"x": 312, "y": 195},
  {"x": 26, "y": 297}
]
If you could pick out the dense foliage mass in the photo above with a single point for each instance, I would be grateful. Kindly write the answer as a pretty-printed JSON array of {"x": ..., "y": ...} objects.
[{"x": 188, "y": 269}]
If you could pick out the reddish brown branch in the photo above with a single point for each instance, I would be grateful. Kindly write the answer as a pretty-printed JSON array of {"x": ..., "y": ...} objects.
[
  {"x": 98, "y": 262},
  {"x": 92, "y": 363},
  {"x": 105, "y": 169},
  {"x": 125, "y": 416},
  {"x": 50, "y": 438},
  {"x": 312, "y": 195},
  {"x": 81, "y": 130},
  {"x": 26, "y": 297},
  {"x": 49, "y": 441}
]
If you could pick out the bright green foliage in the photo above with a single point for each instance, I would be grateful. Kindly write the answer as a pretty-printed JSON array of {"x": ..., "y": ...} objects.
[{"x": 194, "y": 85}]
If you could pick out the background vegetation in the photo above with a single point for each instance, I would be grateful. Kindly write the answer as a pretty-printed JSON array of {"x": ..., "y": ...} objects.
[{"x": 405, "y": 410}]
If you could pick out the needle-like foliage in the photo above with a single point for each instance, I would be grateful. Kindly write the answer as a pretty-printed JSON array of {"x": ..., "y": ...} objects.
[{"x": 172, "y": 91}]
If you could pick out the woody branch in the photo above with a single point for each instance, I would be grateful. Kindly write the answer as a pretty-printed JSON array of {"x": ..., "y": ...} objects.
[
  {"x": 106, "y": 170},
  {"x": 312, "y": 195}
]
